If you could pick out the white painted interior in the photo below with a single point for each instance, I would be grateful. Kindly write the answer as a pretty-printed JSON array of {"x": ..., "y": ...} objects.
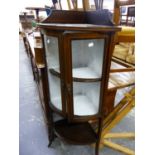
[
  {"x": 52, "y": 52},
  {"x": 55, "y": 91},
  {"x": 86, "y": 97},
  {"x": 84, "y": 72}
]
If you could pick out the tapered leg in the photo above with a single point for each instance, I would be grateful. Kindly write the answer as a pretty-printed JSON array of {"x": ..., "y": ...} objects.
[
  {"x": 50, "y": 142},
  {"x": 51, "y": 138},
  {"x": 97, "y": 148},
  {"x": 51, "y": 129},
  {"x": 99, "y": 136}
]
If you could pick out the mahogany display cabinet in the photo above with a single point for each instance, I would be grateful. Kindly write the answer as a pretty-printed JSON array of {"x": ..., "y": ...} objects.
[{"x": 77, "y": 62}]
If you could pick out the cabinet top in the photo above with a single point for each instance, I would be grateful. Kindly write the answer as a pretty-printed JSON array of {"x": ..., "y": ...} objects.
[{"x": 79, "y": 27}]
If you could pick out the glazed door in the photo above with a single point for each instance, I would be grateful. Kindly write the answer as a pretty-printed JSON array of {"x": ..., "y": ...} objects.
[{"x": 87, "y": 59}]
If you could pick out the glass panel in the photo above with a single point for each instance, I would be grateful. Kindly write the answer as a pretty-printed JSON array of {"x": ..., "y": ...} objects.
[
  {"x": 52, "y": 58},
  {"x": 86, "y": 98},
  {"x": 87, "y": 58},
  {"x": 52, "y": 52},
  {"x": 55, "y": 91}
]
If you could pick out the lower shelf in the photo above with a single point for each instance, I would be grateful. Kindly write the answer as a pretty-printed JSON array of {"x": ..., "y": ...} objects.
[{"x": 75, "y": 133}]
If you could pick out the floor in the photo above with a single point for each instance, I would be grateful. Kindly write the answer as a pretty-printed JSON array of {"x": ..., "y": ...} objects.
[{"x": 33, "y": 136}]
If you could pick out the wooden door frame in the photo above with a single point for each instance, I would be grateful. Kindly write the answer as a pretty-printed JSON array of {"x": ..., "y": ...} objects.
[{"x": 68, "y": 69}]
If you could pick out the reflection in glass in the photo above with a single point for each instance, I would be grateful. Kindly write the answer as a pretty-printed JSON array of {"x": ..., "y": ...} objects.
[
  {"x": 52, "y": 58},
  {"x": 87, "y": 58},
  {"x": 52, "y": 52}
]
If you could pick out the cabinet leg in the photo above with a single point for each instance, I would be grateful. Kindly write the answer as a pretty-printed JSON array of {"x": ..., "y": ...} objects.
[
  {"x": 51, "y": 129},
  {"x": 99, "y": 136},
  {"x": 50, "y": 143},
  {"x": 51, "y": 139},
  {"x": 97, "y": 148}
]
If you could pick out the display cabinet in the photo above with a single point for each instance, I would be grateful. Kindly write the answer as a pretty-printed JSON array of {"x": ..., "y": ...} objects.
[{"x": 77, "y": 61}]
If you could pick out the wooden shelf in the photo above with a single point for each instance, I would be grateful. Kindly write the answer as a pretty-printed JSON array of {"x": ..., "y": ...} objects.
[
  {"x": 54, "y": 72},
  {"x": 75, "y": 133},
  {"x": 85, "y": 74},
  {"x": 92, "y": 78}
]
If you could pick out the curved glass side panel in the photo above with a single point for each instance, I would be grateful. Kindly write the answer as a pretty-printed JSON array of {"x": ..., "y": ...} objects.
[
  {"x": 52, "y": 52},
  {"x": 52, "y": 59}
]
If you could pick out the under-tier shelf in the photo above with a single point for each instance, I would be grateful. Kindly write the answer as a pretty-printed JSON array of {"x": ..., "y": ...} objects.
[{"x": 75, "y": 133}]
